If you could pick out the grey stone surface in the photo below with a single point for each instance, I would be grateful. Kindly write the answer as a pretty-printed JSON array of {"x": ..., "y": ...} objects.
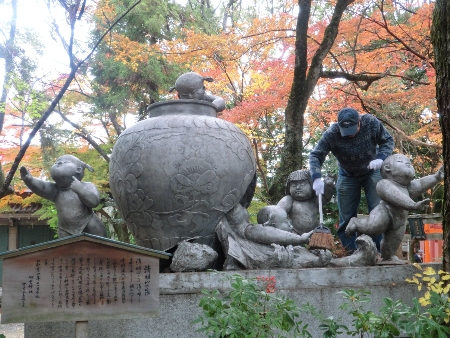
[
  {"x": 191, "y": 86},
  {"x": 365, "y": 254},
  {"x": 301, "y": 202},
  {"x": 192, "y": 257},
  {"x": 255, "y": 246},
  {"x": 180, "y": 294}
]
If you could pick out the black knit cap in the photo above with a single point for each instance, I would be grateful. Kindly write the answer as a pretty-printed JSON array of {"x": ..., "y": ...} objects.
[{"x": 348, "y": 121}]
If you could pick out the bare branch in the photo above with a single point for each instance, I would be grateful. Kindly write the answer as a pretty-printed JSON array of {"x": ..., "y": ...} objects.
[
  {"x": 404, "y": 44},
  {"x": 409, "y": 138},
  {"x": 53, "y": 105},
  {"x": 400, "y": 132},
  {"x": 364, "y": 77},
  {"x": 85, "y": 135}
]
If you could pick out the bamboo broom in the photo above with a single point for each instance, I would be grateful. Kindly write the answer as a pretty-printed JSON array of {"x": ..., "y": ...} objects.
[{"x": 321, "y": 238}]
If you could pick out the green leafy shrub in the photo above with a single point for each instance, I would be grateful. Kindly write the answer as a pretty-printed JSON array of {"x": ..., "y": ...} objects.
[
  {"x": 430, "y": 314},
  {"x": 251, "y": 309},
  {"x": 385, "y": 324}
]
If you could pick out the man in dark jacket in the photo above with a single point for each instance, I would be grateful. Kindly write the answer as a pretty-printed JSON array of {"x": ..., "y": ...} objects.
[{"x": 360, "y": 143}]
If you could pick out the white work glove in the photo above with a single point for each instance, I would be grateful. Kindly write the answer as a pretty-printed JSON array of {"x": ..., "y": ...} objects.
[
  {"x": 375, "y": 164},
  {"x": 318, "y": 186}
]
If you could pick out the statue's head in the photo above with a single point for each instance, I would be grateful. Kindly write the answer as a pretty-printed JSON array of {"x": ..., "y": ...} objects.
[
  {"x": 398, "y": 168},
  {"x": 299, "y": 185},
  {"x": 67, "y": 166},
  {"x": 275, "y": 216},
  {"x": 190, "y": 86}
]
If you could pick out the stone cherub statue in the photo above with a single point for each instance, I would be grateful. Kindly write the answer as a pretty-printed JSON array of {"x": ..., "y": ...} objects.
[
  {"x": 301, "y": 203},
  {"x": 274, "y": 216},
  {"x": 74, "y": 199},
  {"x": 396, "y": 190},
  {"x": 190, "y": 86}
]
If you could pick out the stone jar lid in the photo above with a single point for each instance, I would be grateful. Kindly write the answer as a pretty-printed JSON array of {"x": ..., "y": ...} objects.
[{"x": 182, "y": 107}]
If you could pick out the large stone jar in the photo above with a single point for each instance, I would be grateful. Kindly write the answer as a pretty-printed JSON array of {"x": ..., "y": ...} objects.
[{"x": 176, "y": 174}]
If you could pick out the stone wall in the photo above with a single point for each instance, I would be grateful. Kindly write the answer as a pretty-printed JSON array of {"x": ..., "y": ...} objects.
[{"x": 180, "y": 294}]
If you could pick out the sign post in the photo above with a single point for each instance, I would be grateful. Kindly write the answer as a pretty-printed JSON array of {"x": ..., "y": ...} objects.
[{"x": 80, "y": 278}]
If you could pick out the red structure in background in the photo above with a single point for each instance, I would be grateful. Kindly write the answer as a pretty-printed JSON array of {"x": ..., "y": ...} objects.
[{"x": 432, "y": 248}]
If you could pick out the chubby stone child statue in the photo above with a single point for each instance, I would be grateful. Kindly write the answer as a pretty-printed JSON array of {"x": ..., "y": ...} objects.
[
  {"x": 396, "y": 190},
  {"x": 74, "y": 199},
  {"x": 301, "y": 203}
]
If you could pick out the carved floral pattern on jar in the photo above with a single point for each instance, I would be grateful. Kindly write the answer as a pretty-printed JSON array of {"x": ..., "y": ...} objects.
[{"x": 174, "y": 177}]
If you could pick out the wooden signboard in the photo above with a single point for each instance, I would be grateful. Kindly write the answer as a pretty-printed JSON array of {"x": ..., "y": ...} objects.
[{"x": 80, "y": 278}]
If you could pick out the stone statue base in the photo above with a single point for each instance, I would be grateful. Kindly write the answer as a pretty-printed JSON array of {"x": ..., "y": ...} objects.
[
  {"x": 365, "y": 255},
  {"x": 393, "y": 261}
]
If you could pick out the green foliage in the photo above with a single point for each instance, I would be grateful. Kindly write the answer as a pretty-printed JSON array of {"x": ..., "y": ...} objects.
[
  {"x": 253, "y": 209},
  {"x": 436, "y": 317},
  {"x": 48, "y": 213},
  {"x": 129, "y": 84},
  {"x": 381, "y": 325},
  {"x": 252, "y": 309},
  {"x": 394, "y": 317},
  {"x": 249, "y": 310}
]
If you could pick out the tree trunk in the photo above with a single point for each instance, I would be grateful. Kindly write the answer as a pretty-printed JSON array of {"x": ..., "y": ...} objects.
[
  {"x": 123, "y": 234},
  {"x": 440, "y": 35},
  {"x": 6, "y": 53},
  {"x": 302, "y": 87}
]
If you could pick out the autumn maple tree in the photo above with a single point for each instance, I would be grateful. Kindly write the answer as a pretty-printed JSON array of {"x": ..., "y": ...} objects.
[
  {"x": 285, "y": 68},
  {"x": 285, "y": 76}
]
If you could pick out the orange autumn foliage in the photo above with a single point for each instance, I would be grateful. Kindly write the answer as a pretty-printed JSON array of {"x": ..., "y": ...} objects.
[
  {"x": 390, "y": 46},
  {"x": 252, "y": 63},
  {"x": 32, "y": 160},
  {"x": 395, "y": 46}
]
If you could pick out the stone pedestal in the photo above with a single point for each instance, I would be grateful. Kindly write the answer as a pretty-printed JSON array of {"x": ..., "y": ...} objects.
[{"x": 180, "y": 295}]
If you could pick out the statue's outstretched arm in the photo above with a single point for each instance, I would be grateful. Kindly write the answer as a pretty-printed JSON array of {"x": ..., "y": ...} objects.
[
  {"x": 421, "y": 185},
  {"x": 217, "y": 101},
  {"x": 270, "y": 235},
  {"x": 47, "y": 190}
]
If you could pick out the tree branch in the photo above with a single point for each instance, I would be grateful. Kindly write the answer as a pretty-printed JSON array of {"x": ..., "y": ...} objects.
[
  {"x": 263, "y": 176},
  {"x": 363, "y": 77},
  {"x": 85, "y": 135},
  {"x": 52, "y": 106}
]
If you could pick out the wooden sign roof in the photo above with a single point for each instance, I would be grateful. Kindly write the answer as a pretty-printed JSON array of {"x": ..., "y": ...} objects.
[{"x": 89, "y": 238}]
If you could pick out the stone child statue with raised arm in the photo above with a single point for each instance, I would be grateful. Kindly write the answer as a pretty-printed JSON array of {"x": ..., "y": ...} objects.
[
  {"x": 74, "y": 199},
  {"x": 396, "y": 190}
]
